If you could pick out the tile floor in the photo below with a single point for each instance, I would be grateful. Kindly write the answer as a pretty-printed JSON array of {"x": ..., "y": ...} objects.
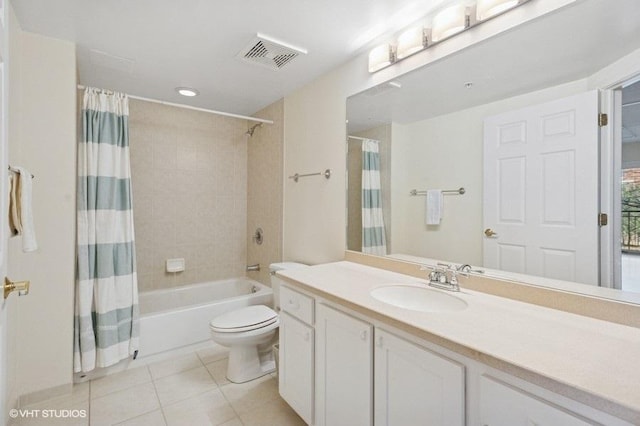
[{"x": 189, "y": 389}]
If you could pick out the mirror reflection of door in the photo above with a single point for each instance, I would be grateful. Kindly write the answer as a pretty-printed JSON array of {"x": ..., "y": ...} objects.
[
  {"x": 630, "y": 189},
  {"x": 540, "y": 191}
]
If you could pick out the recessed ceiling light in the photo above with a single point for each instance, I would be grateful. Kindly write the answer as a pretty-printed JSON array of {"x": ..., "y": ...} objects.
[
  {"x": 187, "y": 91},
  {"x": 468, "y": 85}
]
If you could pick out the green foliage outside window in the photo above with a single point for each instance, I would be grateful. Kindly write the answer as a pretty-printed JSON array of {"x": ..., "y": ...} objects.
[{"x": 631, "y": 215}]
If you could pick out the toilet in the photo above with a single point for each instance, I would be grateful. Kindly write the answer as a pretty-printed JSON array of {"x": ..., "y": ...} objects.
[{"x": 247, "y": 330}]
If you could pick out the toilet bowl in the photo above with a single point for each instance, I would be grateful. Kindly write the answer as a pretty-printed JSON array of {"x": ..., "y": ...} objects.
[
  {"x": 246, "y": 331},
  {"x": 243, "y": 331}
]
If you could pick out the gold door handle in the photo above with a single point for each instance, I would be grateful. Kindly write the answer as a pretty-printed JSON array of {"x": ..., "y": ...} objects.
[
  {"x": 22, "y": 287},
  {"x": 490, "y": 233}
]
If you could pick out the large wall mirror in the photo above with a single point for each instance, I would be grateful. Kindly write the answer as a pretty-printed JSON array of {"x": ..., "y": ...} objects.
[{"x": 513, "y": 121}]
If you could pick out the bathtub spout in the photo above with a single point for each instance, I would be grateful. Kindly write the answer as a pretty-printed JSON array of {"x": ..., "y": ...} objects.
[{"x": 255, "y": 267}]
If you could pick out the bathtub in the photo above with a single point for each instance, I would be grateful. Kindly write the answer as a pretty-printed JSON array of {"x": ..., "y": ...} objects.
[{"x": 180, "y": 316}]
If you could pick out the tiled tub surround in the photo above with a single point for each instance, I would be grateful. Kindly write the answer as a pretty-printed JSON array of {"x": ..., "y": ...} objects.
[
  {"x": 189, "y": 178},
  {"x": 185, "y": 389},
  {"x": 265, "y": 190},
  {"x": 584, "y": 359}
]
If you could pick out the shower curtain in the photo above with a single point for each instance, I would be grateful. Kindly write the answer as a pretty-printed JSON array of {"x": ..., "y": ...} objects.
[
  {"x": 106, "y": 294},
  {"x": 373, "y": 232}
]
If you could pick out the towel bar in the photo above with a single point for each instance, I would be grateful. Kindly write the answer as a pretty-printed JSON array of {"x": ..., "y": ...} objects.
[
  {"x": 459, "y": 191},
  {"x": 11, "y": 169},
  {"x": 326, "y": 174}
]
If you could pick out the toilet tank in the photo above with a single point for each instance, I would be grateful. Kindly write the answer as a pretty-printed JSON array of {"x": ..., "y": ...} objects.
[{"x": 275, "y": 281}]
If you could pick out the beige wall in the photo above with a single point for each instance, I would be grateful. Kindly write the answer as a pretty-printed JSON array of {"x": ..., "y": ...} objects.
[
  {"x": 314, "y": 207},
  {"x": 264, "y": 198},
  {"x": 189, "y": 179},
  {"x": 43, "y": 139},
  {"x": 14, "y": 268}
]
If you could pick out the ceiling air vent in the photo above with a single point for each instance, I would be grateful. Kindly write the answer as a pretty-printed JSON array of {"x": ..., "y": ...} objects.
[{"x": 269, "y": 53}]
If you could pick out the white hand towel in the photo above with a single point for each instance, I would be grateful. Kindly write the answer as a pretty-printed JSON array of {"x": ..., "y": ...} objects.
[
  {"x": 26, "y": 211},
  {"x": 433, "y": 207}
]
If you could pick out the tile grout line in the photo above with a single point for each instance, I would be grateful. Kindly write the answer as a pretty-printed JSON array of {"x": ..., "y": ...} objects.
[
  {"x": 230, "y": 404},
  {"x": 188, "y": 397},
  {"x": 173, "y": 374},
  {"x": 89, "y": 405},
  {"x": 155, "y": 389},
  {"x": 222, "y": 393},
  {"x": 123, "y": 389},
  {"x": 135, "y": 417}
]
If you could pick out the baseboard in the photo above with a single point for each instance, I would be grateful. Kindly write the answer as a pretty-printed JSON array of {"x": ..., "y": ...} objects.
[{"x": 44, "y": 394}]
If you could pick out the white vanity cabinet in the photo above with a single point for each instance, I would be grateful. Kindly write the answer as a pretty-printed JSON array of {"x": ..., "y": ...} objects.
[
  {"x": 296, "y": 373},
  {"x": 344, "y": 366},
  {"x": 504, "y": 405},
  {"x": 341, "y": 367},
  {"x": 414, "y": 386}
]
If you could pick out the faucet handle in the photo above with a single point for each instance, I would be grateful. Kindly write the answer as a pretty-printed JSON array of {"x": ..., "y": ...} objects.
[{"x": 454, "y": 279}]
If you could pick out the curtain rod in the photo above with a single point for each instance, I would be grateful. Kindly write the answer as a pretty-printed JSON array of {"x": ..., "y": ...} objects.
[
  {"x": 356, "y": 137},
  {"x": 211, "y": 111}
]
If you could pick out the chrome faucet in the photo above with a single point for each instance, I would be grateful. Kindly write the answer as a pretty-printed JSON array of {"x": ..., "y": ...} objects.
[
  {"x": 253, "y": 268},
  {"x": 466, "y": 268},
  {"x": 443, "y": 276}
]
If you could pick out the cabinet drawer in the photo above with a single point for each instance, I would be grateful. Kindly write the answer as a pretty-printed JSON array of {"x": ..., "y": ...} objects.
[{"x": 297, "y": 304}]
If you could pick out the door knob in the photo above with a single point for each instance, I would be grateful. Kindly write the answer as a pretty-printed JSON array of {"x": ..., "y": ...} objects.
[
  {"x": 490, "y": 233},
  {"x": 22, "y": 287}
]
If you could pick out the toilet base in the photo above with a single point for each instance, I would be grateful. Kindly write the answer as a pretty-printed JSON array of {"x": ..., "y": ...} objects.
[{"x": 246, "y": 364}]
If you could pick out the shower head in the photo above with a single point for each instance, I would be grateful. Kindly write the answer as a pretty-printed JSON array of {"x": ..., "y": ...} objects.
[{"x": 252, "y": 129}]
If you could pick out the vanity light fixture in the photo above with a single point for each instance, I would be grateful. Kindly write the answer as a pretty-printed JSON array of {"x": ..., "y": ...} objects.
[
  {"x": 187, "y": 91},
  {"x": 448, "y": 22},
  {"x": 488, "y": 8},
  {"x": 411, "y": 41},
  {"x": 380, "y": 57}
]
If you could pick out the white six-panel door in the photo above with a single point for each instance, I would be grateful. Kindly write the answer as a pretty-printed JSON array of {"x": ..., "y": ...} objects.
[{"x": 541, "y": 190}]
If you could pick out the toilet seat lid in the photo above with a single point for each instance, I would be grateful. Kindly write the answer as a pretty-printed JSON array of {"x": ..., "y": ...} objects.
[{"x": 243, "y": 319}]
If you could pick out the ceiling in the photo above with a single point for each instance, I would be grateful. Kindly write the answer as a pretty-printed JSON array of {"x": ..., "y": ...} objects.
[
  {"x": 569, "y": 44},
  {"x": 150, "y": 47}
]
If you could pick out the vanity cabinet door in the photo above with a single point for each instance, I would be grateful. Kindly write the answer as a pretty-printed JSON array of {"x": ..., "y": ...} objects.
[
  {"x": 344, "y": 362},
  {"x": 503, "y": 405},
  {"x": 295, "y": 376},
  {"x": 414, "y": 386}
]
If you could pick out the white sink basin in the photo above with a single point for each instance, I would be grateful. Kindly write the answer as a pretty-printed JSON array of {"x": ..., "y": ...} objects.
[{"x": 421, "y": 299}]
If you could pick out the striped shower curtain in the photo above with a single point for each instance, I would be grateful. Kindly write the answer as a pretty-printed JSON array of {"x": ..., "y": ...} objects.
[
  {"x": 373, "y": 233},
  {"x": 106, "y": 294}
]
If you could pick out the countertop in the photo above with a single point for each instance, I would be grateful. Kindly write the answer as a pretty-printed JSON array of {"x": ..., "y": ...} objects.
[{"x": 592, "y": 361}]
